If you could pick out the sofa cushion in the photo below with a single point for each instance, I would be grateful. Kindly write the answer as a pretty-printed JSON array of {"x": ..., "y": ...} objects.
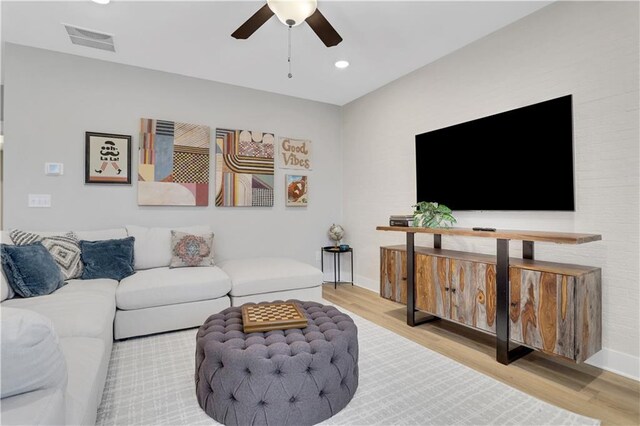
[
  {"x": 30, "y": 269},
  {"x": 103, "y": 286},
  {"x": 269, "y": 274},
  {"x": 87, "y": 367},
  {"x": 31, "y": 356},
  {"x": 153, "y": 245},
  {"x": 102, "y": 234},
  {"x": 165, "y": 286},
  {"x": 75, "y": 312},
  {"x": 190, "y": 250},
  {"x": 107, "y": 259}
]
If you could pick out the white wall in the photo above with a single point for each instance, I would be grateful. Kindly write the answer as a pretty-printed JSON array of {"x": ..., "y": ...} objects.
[
  {"x": 51, "y": 99},
  {"x": 586, "y": 49}
]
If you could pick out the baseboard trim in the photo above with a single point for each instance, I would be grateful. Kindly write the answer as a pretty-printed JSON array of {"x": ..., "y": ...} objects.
[
  {"x": 608, "y": 359},
  {"x": 617, "y": 362},
  {"x": 367, "y": 283}
]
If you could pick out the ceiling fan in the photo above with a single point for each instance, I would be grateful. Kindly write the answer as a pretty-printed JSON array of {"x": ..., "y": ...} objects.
[{"x": 291, "y": 13}]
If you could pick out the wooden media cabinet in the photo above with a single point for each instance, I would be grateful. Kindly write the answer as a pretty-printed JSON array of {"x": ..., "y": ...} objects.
[{"x": 551, "y": 307}]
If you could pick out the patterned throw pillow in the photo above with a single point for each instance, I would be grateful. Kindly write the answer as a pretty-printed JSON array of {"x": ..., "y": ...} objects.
[
  {"x": 65, "y": 249},
  {"x": 23, "y": 238},
  {"x": 66, "y": 252},
  {"x": 191, "y": 250}
]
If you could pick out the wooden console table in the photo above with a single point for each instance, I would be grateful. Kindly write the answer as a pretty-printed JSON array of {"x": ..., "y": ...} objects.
[{"x": 566, "y": 321}]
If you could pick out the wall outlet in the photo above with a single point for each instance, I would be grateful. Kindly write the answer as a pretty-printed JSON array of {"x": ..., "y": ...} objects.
[{"x": 40, "y": 200}]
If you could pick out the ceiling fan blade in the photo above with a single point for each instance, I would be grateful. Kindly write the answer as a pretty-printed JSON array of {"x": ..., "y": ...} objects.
[
  {"x": 323, "y": 29},
  {"x": 252, "y": 24}
]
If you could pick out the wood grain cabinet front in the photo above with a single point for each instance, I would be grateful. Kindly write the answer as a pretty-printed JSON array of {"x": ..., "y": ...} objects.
[
  {"x": 554, "y": 308},
  {"x": 393, "y": 275}
]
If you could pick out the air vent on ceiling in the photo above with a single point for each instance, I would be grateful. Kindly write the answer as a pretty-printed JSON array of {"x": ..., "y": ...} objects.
[{"x": 90, "y": 38}]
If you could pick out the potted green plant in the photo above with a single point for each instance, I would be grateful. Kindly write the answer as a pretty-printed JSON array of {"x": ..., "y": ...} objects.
[{"x": 432, "y": 215}]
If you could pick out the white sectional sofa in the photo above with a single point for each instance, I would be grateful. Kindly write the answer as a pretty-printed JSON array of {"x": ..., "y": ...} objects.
[{"x": 86, "y": 315}]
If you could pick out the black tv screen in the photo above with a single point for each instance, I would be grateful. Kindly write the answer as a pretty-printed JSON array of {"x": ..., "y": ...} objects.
[{"x": 515, "y": 160}]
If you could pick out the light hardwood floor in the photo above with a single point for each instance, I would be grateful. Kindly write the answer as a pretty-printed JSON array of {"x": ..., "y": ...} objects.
[{"x": 581, "y": 388}]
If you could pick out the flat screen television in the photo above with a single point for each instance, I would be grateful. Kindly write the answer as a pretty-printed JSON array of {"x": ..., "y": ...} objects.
[{"x": 515, "y": 160}]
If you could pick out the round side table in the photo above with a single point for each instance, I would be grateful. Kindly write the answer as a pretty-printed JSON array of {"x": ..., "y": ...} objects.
[{"x": 337, "y": 251}]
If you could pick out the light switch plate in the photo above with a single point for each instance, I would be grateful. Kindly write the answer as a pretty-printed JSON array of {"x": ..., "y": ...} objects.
[
  {"x": 40, "y": 200},
  {"x": 53, "y": 169}
]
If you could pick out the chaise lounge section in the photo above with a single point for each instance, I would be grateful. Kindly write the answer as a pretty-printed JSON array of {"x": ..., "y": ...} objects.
[{"x": 272, "y": 278}]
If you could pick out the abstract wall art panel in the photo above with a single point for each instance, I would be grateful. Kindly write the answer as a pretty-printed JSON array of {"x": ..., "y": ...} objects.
[
  {"x": 244, "y": 168},
  {"x": 297, "y": 190},
  {"x": 174, "y": 164}
]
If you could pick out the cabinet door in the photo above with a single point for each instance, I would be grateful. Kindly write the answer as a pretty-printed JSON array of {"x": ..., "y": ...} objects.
[
  {"x": 432, "y": 285},
  {"x": 542, "y": 311},
  {"x": 588, "y": 309},
  {"x": 393, "y": 275},
  {"x": 473, "y": 294}
]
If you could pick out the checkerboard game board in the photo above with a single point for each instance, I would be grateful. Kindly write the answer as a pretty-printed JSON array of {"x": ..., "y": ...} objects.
[{"x": 272, "y": 316}]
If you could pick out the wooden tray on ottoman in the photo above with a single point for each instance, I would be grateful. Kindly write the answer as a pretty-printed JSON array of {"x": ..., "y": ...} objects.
[{"x": 272, "y": 316}]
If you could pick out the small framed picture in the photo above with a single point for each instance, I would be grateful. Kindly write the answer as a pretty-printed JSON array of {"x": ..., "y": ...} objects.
[
  {"x": 297, "y": 195},
  {"x": 107, "y": 158}
]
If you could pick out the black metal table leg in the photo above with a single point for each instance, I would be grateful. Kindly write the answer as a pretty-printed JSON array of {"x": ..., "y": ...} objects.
[
  {"x": 504, "y": 355},
  {"x": 339, "y": 279},
  {"x": 411, "y": 306},
  {"x": 335, "y": 271},
  {"x": 351, "y": 253}
]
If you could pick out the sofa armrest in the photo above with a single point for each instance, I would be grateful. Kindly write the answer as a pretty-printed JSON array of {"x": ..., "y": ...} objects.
[{"x": 31, "y": 358}]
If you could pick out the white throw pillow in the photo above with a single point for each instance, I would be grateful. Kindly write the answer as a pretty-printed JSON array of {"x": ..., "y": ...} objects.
[
  {"x": 152, "y": 247},
  {"x": 31, "y": 356}
]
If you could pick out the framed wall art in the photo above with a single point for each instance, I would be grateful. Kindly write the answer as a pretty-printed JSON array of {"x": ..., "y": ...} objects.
[
  {"x": 107, "y": 158},
  {"x": 295, "y": 154},
  {"x": 297, "y": 191}
]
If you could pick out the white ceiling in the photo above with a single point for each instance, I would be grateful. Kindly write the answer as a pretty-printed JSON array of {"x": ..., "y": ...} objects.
[{"x": 383, "y": 40}]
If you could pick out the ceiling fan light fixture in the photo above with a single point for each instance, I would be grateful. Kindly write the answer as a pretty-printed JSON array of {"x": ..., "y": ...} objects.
[
  {"x": 101, "y": 1},
  {"x": 342, "y": 64},
  {"x": 292, "y": 12}
]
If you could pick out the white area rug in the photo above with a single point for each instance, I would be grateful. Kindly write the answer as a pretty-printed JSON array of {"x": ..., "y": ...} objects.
[{"x": 151, "y": 382}]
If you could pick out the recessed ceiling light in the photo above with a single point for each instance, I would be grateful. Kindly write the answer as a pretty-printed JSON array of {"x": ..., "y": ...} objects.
[
  {"x": 101, "y": 1},
  {"x": 342, "y": 64}
]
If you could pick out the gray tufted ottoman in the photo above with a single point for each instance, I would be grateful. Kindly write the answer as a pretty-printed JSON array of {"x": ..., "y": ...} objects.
[{"x": 280, "y": 377}]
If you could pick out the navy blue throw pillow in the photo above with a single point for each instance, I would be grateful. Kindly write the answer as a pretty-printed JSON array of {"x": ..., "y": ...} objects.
[
  {"x": 31, "y": 270},
  {"x": 107, "y": 259}
]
